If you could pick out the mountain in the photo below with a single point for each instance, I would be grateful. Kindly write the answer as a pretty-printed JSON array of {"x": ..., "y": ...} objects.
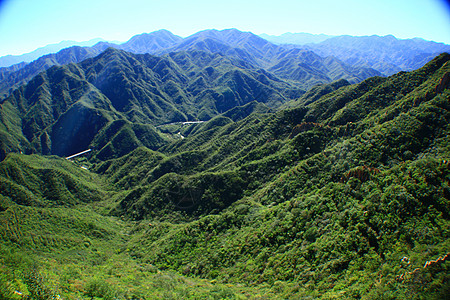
[
  {"x": 356, "y": 55},
  {"x": 312, "y": 69},
  {"x": 17, "y": 75},
  {"x": 295, "y": 38},
  {"x": 362, "y": 164},
  {"x": 119, "y": 95},
  {"x": 345, "y": 194},
  {"x": 69, "y": 108},
  {"x": 151, "y": 42},
  {"x": 386, "y": 54},
  {"x": 12, "y": 77},
  {"x": 291, "y": 64},
  {"x": 316, "y": 93},
  {"x": 245, "y": 46},
  {"x": 9, "y": 60}
]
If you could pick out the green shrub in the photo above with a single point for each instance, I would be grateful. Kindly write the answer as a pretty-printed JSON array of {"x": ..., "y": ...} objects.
[
  {"x": 37, "y": 285},
  {"x": 99, "y": 288}
]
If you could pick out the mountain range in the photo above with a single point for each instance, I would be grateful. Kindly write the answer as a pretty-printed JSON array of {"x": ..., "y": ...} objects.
[
  {"x": 138, "y": 88},
  {"x": 386, "y": 54},
  {"x": 223, "y": 166},
  {"x": 295, "y": 38},
  {"x": 241, "y": 45},
  {"x": 9, "y": 60},
  {"x": 344, "y": 194},
  {"x": 355, "y": 58}
]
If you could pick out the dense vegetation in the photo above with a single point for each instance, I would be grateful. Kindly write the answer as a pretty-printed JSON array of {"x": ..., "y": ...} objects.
[
  {"x": 342, "y": 193},
  {"x": 118, "y": 94}
]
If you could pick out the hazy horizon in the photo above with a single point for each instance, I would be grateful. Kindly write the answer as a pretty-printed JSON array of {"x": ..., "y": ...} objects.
[
  {"x": 26, "y": 26},
  {"x": 99, "y": 39}
]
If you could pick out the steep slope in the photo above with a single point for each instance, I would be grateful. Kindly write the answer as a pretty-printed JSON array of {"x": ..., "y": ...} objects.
[
  {"x": 307, "y": 68},
  {"x": 311, "y": 69},
  {"x": 316, "y": 93},
  {"x": 11, "y": 80},
  {"x": 290, "y": 64},
  {"x": 187, "y": 84},
  {"x": 120, "y": 137},
  {"x": 61, "y": 110},
  {"x": 221, "y": 144},
  {"x": 40, "y": 60},
  {"x": 259, "y": 49},
  {"x": 289, "y": 188},
  {"x": 31, "y": 180},
  {"x": 240, "y": 112}
]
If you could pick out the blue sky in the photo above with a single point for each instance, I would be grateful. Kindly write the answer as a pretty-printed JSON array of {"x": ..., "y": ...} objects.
[{"x": 28, "y": 24}]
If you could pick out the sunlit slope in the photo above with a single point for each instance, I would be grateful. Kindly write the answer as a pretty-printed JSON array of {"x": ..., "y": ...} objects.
[
  {"x": 330, "y": 205},
  {"x": 344, "y": 195},
  {"x": 71, "y": 108}
]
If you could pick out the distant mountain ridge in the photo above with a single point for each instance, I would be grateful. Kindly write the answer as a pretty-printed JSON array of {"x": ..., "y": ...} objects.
[
  {"x": 354, "y": 50},
  {"x": 14, "y": 76},
  {"x": 296, "y": 38},
  {"x": 244, "y": 46},
  {"x": 9, "y": 60},
  {"x": 386, "y": 54},
  {"x": 151, "y": 42},
  {"x": 344, "y": 57}
]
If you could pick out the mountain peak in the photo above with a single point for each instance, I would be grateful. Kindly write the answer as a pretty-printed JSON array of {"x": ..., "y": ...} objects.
[
  {"x": 151, "y": 42},
  {"x": 300, "y": 38},
  {"x": 232, "y": 36}
]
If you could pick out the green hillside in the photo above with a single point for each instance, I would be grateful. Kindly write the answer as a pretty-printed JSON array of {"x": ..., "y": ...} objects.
[
  {"x": 342, "y": 193},
  {"x": 70, "y": 108}
]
